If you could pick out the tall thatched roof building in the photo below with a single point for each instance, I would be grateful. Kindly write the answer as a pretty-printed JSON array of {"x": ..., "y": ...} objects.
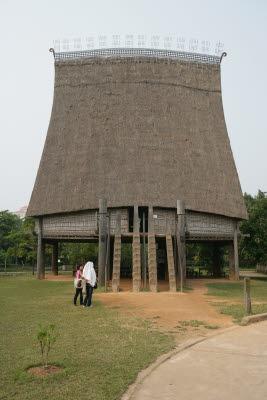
[{"x": 137, "y": 128}]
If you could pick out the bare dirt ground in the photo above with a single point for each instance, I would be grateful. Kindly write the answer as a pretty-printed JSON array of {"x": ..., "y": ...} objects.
[
  {"x": 168, "y": 312},
  {"x": 41, "y": 371}
]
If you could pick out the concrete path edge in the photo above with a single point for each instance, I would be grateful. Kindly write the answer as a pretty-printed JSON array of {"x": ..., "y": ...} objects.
[
  {"x": 128, "y": 395},
  {"x": 250, "y": 319}
]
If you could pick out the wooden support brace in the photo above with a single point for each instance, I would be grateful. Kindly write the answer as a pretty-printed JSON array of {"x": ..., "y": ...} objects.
[
  {"x": 170, "y": 258},
  {"x": 136, "y": 253},
  {"x": 144, "y": 251},
  {"x": 117, "y": 256},
  {"x": 152, "y": 255},
  {"x": 102, "y": 240},
  {"x": 40, "y": 251},
  {"x": 236, "y": 251},
  {"x": 181, "y": 241},
  {"x": 231, "y": 262}
]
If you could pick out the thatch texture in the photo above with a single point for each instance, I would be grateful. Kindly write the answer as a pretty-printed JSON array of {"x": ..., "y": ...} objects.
[{"x": 140, "y": 131}]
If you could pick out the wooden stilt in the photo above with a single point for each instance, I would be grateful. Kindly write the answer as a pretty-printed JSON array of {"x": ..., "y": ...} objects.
[
  {"x": 107, "y": 261},
  {"x": 40, "y": 251},
  {"x": 231, "y": 258},
  {"x": 136, "y": 253},
  {"x": 175, "y": 256},
  {"x": 54, "y": 259},
  {"x": 170, "y": 258},
  {"x": 181, "y": 241},
  {"x": 102, "y": 246},
  {"x": 152, "y": 256},
  {"x": 117, "y": 256},
  {"x": 112, "y": 241},
  {"x": 236, "y": 251},
  {"x": 144, "y": 251}
]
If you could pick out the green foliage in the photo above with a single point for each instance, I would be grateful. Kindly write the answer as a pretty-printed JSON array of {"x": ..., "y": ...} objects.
[
  {"x": 253, "y": 249},
  {"x": 47, "y": 338},
  {"x": 126, "y": 255},
  {"x": 22, "y": 242},
  {"x": 202, "y": 255},
  {"x": 78, "y": 253},
  {"x": 8, "y": 223}
]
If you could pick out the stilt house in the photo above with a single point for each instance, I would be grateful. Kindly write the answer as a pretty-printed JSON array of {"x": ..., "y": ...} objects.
[{"x": 137, "y": 151}]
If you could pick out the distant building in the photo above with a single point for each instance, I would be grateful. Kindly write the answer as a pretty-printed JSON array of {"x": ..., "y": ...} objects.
[{"x": 22, "y": 212}]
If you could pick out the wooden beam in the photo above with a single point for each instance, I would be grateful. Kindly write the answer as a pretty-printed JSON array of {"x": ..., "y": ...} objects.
[
  {"x": 144, "y": 250},
  {"x": 136, "y": 253},
  {"x": 40, "y": 251},
  {"x": 181, "y": 241},
  {"x": 152, "y": 254},
  {"x": 102, "y": 246},
  {"x": 107, "y": 261},
  {"x": 170, "y": 258},
  {"x": 231, "y": 259},
  {"x": 236, "y": 250},
  {"x": 117, "y": 256}
]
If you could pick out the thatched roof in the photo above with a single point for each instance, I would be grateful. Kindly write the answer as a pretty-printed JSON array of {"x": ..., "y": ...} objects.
[{"x": 137, "y": 130}]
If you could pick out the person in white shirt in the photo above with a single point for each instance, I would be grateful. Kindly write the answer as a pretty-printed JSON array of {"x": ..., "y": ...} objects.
[{"x": 89, "y": 276}]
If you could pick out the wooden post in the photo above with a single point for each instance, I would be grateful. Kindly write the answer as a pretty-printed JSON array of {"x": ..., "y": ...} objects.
[
  {"x": 5, "y": 266},
  {"x": 152, "y": 255},
  {"x": 107, "y": 254},
  {"x": 170, "y": 258},
  {"x": 175, "y": 256},
  {"x": 181, "y": 241},
  {"x": 136, "y": 253},
  {"x": 144, "y": 250},
  {"x": 40, "y": 251},
  {"x": 236, "y": 250},
  {"x": 247, "y": 295},
  {"x": 117, "y": 256},
  {"x": 102, "y": 241},
  {"x": 231, "y": 259},
  {"x": 54, "y": 259}
]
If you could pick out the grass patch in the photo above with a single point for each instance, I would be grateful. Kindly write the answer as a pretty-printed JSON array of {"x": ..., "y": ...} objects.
[
  {"x": 195, "y": 323},
  {"x": 101, "y": 351},
  {"x": 234, "y": 291},
  {"x": 238, "y": 311}
]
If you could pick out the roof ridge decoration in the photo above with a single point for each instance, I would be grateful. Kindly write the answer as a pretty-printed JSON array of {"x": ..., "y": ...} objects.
[{"x": 137, "y": 52}]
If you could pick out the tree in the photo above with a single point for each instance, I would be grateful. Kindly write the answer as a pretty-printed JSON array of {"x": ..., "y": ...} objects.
[
  {"x": 47, "y": 337},
  {"x": 253, "y": 249},
  {"x": 8, "y": 222},
  {"x": 22, "y": 242},
  {"x": 79, "y": 253}
]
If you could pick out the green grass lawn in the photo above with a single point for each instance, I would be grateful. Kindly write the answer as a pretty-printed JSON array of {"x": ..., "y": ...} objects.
[
  {"x": 233, "y": 293},
  {"x": 101, "y": 351}
]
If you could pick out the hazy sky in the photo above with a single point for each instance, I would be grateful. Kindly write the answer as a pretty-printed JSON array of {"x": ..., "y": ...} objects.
[{"x": 28, "y": 28}]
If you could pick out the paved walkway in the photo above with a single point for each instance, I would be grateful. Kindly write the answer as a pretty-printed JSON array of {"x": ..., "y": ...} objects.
[{"x": 229, "y": 366}]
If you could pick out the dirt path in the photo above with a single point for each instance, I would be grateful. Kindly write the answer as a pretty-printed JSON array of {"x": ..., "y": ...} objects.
[{"x": 166, "y": 309}]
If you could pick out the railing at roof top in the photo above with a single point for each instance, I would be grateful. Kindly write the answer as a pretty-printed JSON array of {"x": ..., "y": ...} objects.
[{"x": 126, "y": 52}]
